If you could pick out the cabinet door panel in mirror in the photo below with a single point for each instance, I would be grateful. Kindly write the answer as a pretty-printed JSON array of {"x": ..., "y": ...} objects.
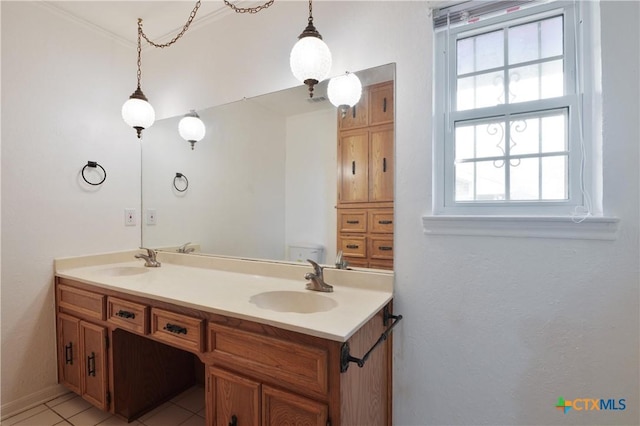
[
  {"x": 354, "y": 157},
  {"x": 381, "y": 164}
]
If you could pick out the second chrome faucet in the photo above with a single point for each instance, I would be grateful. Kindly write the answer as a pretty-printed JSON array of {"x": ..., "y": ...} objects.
[{"x": 316, "y": 279}]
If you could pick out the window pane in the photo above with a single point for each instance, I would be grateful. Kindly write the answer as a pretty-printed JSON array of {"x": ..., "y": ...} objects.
[
  {"x": 489, "y": 180},
  {"x": 480, "y": 53},
  {"x": 525, "y": 136},
  {"x": 534, "y": 82},
  {"x": 465, "y": 181},
  {"x": 465, "y": 142},
  {"x": 554, "y": 178},
  {"x": 554, "y": 133},
  {"x": 536, "y": 40},
  {"x": 525, "y": 178},
  {"x": 480, "y": 91}
]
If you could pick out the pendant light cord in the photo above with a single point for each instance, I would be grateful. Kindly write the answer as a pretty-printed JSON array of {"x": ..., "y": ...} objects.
[
  {"x": 177, "y": 37},
  {"x": 249, "y": 9},
  {"x": 310, "y": 13}
]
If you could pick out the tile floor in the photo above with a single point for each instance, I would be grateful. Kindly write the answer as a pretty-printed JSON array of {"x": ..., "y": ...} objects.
[{"x": 186, "y": 409}]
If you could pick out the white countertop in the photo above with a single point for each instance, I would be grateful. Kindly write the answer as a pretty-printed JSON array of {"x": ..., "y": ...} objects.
[{"x": 228, "y": 286}]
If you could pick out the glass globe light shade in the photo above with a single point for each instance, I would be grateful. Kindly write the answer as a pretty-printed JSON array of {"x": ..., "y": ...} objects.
[
  {"x": 344, "y": 90},
  {"x": 191, "y": 128},
  {"x": 138, "y": 114},
  {"x": 310, "y": 59}
]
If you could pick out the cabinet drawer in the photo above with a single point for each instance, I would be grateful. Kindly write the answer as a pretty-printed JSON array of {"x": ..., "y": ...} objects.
[
  {"x": 381, "y": 222},
  {"x": 352, "y": 221},
  {"x": 128, "y": 315},
  {"x": 82, "y": 302},
  {"x": 381, "y": 248},
  {"x": 281, "y": 361},
  {"x": 353, "y": 246},
  {"x": 177, "y": 329}
]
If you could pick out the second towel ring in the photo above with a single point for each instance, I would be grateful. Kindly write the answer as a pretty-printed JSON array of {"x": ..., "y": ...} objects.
[
  {"x": 93, "y": 165},
  {"x": 180, "y": 176}
]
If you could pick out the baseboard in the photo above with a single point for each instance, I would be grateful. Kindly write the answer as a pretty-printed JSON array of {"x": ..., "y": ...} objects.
[{"x": 26, "y": 402}]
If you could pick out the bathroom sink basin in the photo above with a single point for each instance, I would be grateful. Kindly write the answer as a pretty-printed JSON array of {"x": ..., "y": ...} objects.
[
  {"x": 293, "y": 301},
  {"x": 123, "y": 271}
]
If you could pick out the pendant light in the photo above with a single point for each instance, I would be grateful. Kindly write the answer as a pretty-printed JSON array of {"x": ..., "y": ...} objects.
[
  {"x": 310, "y": 58},
  {"x": 137, "y": 112},
  {"x": 191, "y": 128},
  {"x": 344, "y": 91}
]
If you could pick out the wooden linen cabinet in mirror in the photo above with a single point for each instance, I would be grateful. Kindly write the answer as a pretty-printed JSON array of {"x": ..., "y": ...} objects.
[{"x": 365, "y": 179}]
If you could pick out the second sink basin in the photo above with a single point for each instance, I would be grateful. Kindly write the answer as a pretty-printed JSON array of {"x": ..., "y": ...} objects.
[{"x": 293, "y": 301}]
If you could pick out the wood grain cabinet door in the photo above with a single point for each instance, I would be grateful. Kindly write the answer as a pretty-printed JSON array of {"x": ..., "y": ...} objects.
[
  {"x": 69, "y": 359},
  {"x": 283, "y": 408},
  {"x": 233, "y": 400},
  {"x": 381, "y": 164},
  {"x": 353, "y": 167},
  {"x": 381, "y": 104},
  {"x": 94, "y": 364}
]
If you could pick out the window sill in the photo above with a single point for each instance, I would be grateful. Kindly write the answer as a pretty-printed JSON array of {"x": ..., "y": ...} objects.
[{"x": 592, "y": 228}]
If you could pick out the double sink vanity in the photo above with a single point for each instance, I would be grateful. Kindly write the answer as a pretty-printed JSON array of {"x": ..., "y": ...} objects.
[{"x": 267, "y": 350}]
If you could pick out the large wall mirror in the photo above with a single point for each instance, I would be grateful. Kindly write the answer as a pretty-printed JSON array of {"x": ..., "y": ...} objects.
[{"x": 264, "y": 178}]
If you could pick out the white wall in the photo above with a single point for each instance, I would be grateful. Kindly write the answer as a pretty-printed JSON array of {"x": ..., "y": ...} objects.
[
  {"x": 495, "y": 328},
  {"x": 62, "y": 89}
]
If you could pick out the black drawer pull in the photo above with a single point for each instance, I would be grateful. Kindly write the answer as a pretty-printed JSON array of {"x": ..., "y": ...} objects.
[
  {"x": 173, "y": 328},
  {"x": 68, "y": 353},
  {"x": 353, "y": 167},
  {"x": 353, "y": 111},
  {"x": 384, "y": 105},
  {"x": 385, "y": 222},
  {"x": 91, "y": 364},
  {"x": 385, "y": 248},
  {"x": 125, "y": 314},
  {"x": 234, "y": 421},
  {"x": 352, "y": 246},
  {"x": 384, "y": 165},
  {"x": 353, "y": 222}
]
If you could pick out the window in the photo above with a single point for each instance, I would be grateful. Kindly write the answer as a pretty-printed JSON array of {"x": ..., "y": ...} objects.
[{"x": 508, "y": 136}]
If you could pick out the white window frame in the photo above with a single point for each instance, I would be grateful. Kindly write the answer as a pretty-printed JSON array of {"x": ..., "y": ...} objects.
[{"x": 445, "y": 116}]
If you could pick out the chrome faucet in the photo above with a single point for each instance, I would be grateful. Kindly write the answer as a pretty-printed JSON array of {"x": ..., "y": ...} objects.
[
  {"x": 317, "y": 279},
  {"x": 184, "y": 249},
  {"x": 341, "y": 262},
  {"x": 150, "y": 258}
]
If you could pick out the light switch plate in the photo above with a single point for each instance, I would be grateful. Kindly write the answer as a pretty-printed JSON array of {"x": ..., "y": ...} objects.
[
  {"x": 151, "y": 216},
  {"x": 130, "y": 217}
]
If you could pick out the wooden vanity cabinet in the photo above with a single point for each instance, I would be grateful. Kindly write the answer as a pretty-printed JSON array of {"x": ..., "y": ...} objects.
[{"x": 254, "y": 374}]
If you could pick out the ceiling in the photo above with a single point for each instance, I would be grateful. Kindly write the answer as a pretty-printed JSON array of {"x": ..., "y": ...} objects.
[{"x": 162, "y": 20}]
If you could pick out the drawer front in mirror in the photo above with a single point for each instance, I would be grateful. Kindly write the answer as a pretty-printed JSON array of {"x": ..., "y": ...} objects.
[
  {"x": 177, "y": 329},
  {"x": 353, "y": 246},
  {"x": 82, "y": 302},
  {"x": 352, "y": 221},
  {"x": 381, "y": 248},
  {"x": 381, "y": 221},
  {"x": 128, "y": 315}
]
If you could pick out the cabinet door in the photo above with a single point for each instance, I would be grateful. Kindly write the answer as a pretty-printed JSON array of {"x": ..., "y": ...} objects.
[
  {"x": 69, "y": 359},
  {"x": 233, "y": 400},
  {"x": 353, "y": 167},
  {"x": 283, "y": 408},
  {"x": 94, "y": 364},
  {"x": 381, "y": 104},
  {"x": 381, "y": 164},
  {"x": 356, "y": 116}
]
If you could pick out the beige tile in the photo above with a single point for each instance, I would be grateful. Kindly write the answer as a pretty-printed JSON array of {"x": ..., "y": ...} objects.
[
  {"x": 170, "y": 416},
  {"x": 154, "y": 412},
  {"x": 90, "y": 417},
  {"x": 59, "y": 400},
  {"x": 192, "y": 399},
  {"x": 45, "y": 418},
  {"x": 25, "y": 414},
  {"x": 194, "y": 420},
  {"x": 71, "y": 407},
  {"x": 116, "y": 421},
  {"x": 63, "y": 423}
]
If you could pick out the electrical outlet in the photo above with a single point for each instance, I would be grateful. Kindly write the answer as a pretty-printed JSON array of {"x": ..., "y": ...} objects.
[
  {"x": 151, "y": 216},
  {"x": 129, "y": 217}
]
